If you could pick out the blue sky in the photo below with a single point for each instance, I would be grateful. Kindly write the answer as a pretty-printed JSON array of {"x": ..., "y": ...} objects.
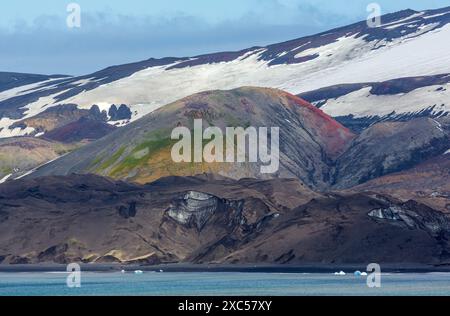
[{"x": 34, "y": 36}]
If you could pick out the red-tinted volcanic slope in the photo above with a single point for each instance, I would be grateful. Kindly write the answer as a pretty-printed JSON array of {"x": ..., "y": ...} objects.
[
  {"x": 332, "y": 134},
  {"x": 309, "y": 139}
]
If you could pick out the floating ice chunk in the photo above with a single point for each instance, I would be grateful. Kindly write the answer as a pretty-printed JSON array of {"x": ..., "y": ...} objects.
[
  {"x": 138, "y": 272},
  {"x": 357, "y": 273},
  {"x": 340, "y": 273}
]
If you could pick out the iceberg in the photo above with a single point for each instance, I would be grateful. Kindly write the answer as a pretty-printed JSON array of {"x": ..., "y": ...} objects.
[{"x": 340, "y": 273}]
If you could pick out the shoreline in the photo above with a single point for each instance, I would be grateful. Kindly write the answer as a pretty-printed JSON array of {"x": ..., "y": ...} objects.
[{"x": 186, "y": 268}]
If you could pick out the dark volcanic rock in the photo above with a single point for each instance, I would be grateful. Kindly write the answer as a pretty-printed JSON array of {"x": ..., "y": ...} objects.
[
  {"x": 390, "y": 147},
  {"x": 83, "y": 129},
  {"x": 194, "y": 209},
  {"x": 60, "y": 116},
  {"x": 208, "y": 219},
  {"x": 121, "y": 113},
  {"x": 128, "y": 211},
  {"x": 428, "y": 183}
]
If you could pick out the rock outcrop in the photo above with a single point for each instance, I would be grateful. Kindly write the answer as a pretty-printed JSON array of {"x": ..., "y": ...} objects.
[
  {"x": 211, "y": 219},
  {"x": 194, "y": 209}
]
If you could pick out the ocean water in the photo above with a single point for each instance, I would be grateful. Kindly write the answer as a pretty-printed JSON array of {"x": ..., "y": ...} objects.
[{"x": 226, "y": 284}]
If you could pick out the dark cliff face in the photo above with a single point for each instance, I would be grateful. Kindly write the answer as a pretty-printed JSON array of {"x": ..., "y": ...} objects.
[
  {"x": 122, "y": 112},
  {"x": 195, "y": 209},
  {"x": 427, "y": 182},
  {"x": 209, "y": 219}
]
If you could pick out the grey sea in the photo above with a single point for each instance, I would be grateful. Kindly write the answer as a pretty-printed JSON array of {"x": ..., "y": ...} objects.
[{"x": 223, "y": 284}]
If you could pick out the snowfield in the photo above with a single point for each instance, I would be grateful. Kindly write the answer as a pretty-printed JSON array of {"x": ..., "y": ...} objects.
[{"x": 362, "y": 103}]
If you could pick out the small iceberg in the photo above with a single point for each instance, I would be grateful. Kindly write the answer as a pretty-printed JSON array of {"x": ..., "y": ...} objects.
[
  {"x": 340, "y": 273},
  {"x": 161, "y": 271},
  {"x": 123, "y": 271},
  {"x": 358, "y": 273},
  {"x": 364, "y": 274},
  {"x": 138, "y": 272}
]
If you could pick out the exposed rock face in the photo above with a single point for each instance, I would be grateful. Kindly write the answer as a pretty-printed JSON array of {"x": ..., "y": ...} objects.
[
  {"x": 428, "y": 183},
  {"x": 59, "y": 116},
  {"x": 128, "y": 211},
  {"x": 415, "y": 216},
  {"x": 196, "y": 208},
  {"x": 85, "y": 129},
  {"x": 390, "y": 147},
  {"x": 392, "y": 213},
  {"x": 121, "y": 113}
]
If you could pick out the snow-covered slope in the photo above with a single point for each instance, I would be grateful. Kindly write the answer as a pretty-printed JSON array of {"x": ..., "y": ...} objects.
[
  {"x": 364, "y": 104},
  {"x": 408, "y": 43}
]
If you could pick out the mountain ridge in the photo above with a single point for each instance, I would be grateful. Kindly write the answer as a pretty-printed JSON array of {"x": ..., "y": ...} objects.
[
  {"x": 141, "y": 151},
  {"x": 314, "y": 147},
  {"x": 355, "y": 53}
]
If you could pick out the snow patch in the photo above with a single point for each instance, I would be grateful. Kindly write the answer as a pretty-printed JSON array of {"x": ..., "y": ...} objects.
[
  {"x": 5, "y": 178},
  {"x": 18, "y": 91},
  {"x": 413, "y": 16},
  {"x": 6, "y": 132},
  {"x": 362, "y": 103},
  {"x": 82, "y": 82},
  {"x": 436, "y": 15},
  {"x": 438, "y": 125}
]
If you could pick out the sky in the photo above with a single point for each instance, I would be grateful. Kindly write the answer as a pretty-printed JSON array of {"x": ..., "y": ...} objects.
[{"x": 35, "y": 37}]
